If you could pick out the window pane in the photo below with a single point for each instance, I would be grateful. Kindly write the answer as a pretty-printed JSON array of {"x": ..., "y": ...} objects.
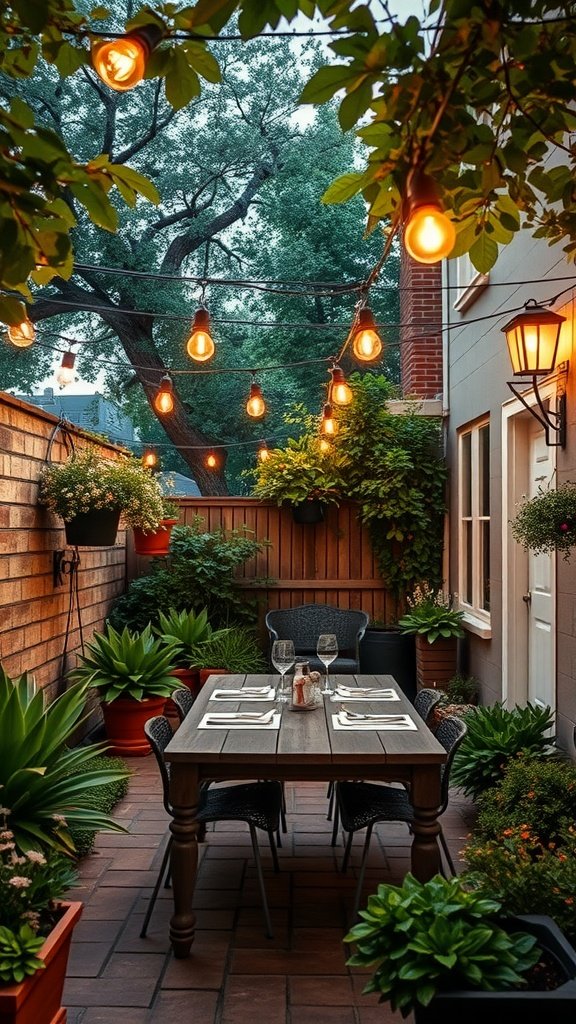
[
  {"x": 467, "y": 589},
  {"x": 485, "y": 563},
  {"x": 466, "y": 470},
  {"x": 484, "y": 470}
]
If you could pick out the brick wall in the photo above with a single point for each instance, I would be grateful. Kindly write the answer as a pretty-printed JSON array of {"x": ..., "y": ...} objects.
[
  {"x": 34, "y": 612},
  {"x": 421, "y": 334}
]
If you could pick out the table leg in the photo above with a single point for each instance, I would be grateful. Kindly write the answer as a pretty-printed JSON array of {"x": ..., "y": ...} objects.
[
  {"x": 184, "y": 796},
  {"x": 425, "y": 797}
]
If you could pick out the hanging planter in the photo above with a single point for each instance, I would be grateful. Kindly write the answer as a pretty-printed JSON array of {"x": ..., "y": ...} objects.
[
  {"x": 547, "y": 522},
  {"x": 155, "y": 543},
  {"x": 310, "y": 511},
  {"x": 93, "y": 529}
]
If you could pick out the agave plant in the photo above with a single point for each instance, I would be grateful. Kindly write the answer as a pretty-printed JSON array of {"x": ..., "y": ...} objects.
[
  {"x": 127, "y": 664},
  {"x": 183, "y": 631},
  {"x": 43, "y": 783}
]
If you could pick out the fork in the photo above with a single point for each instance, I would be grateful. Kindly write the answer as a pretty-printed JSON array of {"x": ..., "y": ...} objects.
[{"x": 387, "y": 718}]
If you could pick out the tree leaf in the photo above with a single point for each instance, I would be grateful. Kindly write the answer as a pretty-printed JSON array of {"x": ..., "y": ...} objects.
[
  {"x": 484, "y": 253},
  {"x": 12, "y": 311},
  {"x": 343, "y": 188},
  {"x": 354, "y": 105},
  {"x": 182, "y": 83},
  {"x": 326, "y": 82}
]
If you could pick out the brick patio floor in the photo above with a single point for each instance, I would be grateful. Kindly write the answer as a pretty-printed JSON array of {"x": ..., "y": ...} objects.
[{"x": 235, "y": 975}]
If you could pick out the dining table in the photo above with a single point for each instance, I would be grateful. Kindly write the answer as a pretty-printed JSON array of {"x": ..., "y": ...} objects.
[{"x": 298, "y": 746}]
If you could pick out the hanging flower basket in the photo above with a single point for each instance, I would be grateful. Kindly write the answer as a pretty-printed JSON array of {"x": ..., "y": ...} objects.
[
  {"x": 157, "y": 542},
  {"x": 547, "y": 522},
  {"x": 93, "y": 529},
  {"x": 310, "y": 511}
]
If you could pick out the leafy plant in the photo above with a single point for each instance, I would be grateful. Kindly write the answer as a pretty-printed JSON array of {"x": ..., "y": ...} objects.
[
  {"x": 201, "y": 574},
  {"x": 431, "y": 615},
  {"x": 461, "y": 690},
  {"x": 539, "y": 794},
  {"x": 526, "y": 875},
  {"x": 101, "y": 798},
  {"x": 18, "y": 951},
  {"x": 127, "y": 664},
  {"x": 423, "y": 937},
  {"x": 43, "y": 783},
  {"x": 236, "y": 650},
  {"x": 183, "y": 632},
  {"x": 547, "y": 522},
  {"x": 298, "y": 472},
  {"x": 495, "y": 736}
]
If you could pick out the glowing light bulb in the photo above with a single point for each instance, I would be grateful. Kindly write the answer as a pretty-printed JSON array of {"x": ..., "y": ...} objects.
[
  {"x": 324, "y": 444},
  {"x": 121, "y": 63},
  {"x": 329, "y": 427},
  {"x": 149, "y": 459},
  {"x": 200, "y": 345},
  {"x": 211, "y": 461},
  {"x": 429, "y": 234},
  {"x": 367, "y": 344},
  {"x": 263, "y": 453},
  {"x": 164, "y": 400},
  {"x": 22, "y": 335},
  {"x": 256, "y": 406},
  {"x": 65, "y": 374},
  {"x": 340, "y": 391}
]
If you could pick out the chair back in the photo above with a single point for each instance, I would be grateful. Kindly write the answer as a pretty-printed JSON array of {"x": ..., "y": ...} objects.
[
  {"x": 450, "y": 734},
  {"x": 159, "y": 734},
  {"x": 425, "y": 701},
  {"x": 183, "y": 699},
  {"x": 304, "y": 624}
]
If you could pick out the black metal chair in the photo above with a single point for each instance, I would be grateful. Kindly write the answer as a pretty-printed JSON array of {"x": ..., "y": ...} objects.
[
  {"x": 304, "y": 624},
  {"x": 256, "y": 803},
  {"x": 425, "y": 701},
  {"x": 364, "y": 804},
  {"x": 183, "y": 699}
]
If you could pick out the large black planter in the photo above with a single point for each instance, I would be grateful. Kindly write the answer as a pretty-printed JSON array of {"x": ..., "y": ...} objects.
[
  {"x": 387, "y": 650},
  {"x": 93, "y": 529},
  {"x": 310, "y": 511},
  {"x": 508, "y": 1007}
]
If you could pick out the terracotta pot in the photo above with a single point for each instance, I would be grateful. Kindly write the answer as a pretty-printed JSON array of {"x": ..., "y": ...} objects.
[
  {"x": 124, "y": 719},
  {"x": 189, "y": 677},
  {"x": 38, "y": 999},
  {"x": 205, "y": 672},
  {"x": 93, "y": 529},
  {"x": 436, "y": 663},
  {"x": 156, "y": 543}
]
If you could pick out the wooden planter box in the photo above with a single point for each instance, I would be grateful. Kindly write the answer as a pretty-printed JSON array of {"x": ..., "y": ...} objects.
[
  {"x": 38, "y": 999},
  {"x": 436, "y": 663}
]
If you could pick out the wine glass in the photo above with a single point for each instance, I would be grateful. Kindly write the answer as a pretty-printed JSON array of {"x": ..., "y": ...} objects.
[
  {"x": 327, "y": 651},
  {"x": 283, "y": 657}
]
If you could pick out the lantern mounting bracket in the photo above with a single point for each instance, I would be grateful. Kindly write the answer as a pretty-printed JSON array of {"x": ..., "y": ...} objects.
[{"x": 551, "y": 420}]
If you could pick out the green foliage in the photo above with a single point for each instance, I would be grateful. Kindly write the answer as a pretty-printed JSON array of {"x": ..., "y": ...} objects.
[
  {"x": 235, "y": 649},
  {"x": 526, "y": 875},
  {"x": 18, "y": 951},
  {"x": 461, "y": 690},
  {"x": 421, "y": 938},
  {"x": 539, "y": 794},
  {"x": 495, "y": 736},
  {"x": 127, "y": 665},
  {"x": 183, "y": 632},
  {"x": 87, "y": 482},
  {"x": 431, "y": 615},
  {"x": 200, "y": 575},
  {"x": 101, "y": 798},
  {"x": 42, "y": 782},
  {"x": 30, "y": 885},
  {"x": 547, "y": 522},
  {"x": 299, "y": 471}
]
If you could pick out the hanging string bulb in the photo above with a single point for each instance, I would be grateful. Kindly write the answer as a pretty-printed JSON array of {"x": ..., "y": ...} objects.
[
  {"x": 200, "y": 345},
  {"x": 65, "y": 373},
  {"x": 429, "y": 235},
  {"x": 340, "y": 390},
  {"x": 164, "y": 399},
  {"x": 121, "y": 63},
  {"x": 263, "y": 451},
  {"x": 367, "y": 344},
  {"x": 211, "y": 460},
  {"x": 328, "y": 425},
  {"x": 22, "y": 335},
  {"x": 324, "y": 445},
  {"x": 256, "y": 406},
  {"x": 150, "y": 460}
]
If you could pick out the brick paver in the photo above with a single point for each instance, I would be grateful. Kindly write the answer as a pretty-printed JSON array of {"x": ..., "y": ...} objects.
[{"x": 235, "y": 975}]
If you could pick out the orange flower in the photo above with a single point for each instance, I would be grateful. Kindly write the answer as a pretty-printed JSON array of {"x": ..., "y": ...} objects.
[
  {"x": 569, "y": 900},
  {"x": 531, "y": 794},
  {"x": 525, "y": 835}
]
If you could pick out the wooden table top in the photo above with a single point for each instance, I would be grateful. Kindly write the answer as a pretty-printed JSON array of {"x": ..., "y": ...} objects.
[{"x": 303, "y": 737}]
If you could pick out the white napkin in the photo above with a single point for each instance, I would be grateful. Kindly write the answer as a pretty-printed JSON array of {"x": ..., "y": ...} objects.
[
  {"x": 348, "y": 720},
  {"x": 253, "y": 693},
  {"x": 360, "y": 693},
  {"x": 241, "y": 720},
  {"x": 258, "y": 717}
]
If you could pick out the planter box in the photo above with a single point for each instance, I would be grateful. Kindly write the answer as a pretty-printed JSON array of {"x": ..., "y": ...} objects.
[
  {"x": 436, "y": 663},
  {"x": 38, "y": 999},
  {"x": 524, "y": 1007},
  {"x": 125, "y": 719},
  {"x": 387, "y": 650}
]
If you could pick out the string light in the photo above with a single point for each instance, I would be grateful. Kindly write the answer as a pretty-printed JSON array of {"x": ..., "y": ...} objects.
[
  {"x": 328, "y": 425},
  {"x": 121, "y": 63},
  {"x": 22, "y": 335},
  {"x": 256, "y": 406},
  {"x": 429, "y": 235},
  {"x": 65, "y": 373},
  {"x": 164, "y": 400},
  {"x": 150, "y": 459},
  {"x": 200, "y": 345},
  {"x": 340, "y": 390},
  {"x": 324, "y": 445},
  {"x": 211, "y": 460},
  {"x": 263, "y": 452},
  {"x": 367, "y": 344}
]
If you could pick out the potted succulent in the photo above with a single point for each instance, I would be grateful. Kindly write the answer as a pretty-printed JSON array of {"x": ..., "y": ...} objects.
[
  {"x": 156, "y": 543},
  {"x": 90, "y": 493},
  {"x": 184, "y": 633},
  {"x": 448, "y": 954},
  {"x": 547, "y": 522},
  {"x": 436, "y": 626},
  {"x": 133, "y": 675},
  {"x": 300, "y": 475}
]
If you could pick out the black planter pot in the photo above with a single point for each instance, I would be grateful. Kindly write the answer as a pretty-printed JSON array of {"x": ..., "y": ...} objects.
[
  {"x": 93, "y": 529},
  {"x": 311, "y": 511},
  {"x": 525, "y": 1006},
  {"x": 387, "y": 650}
]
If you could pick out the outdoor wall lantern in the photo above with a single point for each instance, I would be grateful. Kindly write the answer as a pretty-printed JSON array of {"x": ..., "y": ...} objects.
[
  {"x": 164, "y": 398},
  {"x": 532, "y": 338},
  {"x": 200, "y": 345},
  {"x": 121, "y": 63},
  {"x": 367, "y": 344},
  {"x": 429, "y": 235}
]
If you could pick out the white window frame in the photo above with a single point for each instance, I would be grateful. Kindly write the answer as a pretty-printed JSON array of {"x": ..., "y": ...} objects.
[
  {"x": 470, "y": 283},
  {"x": 477, "y": 618}
]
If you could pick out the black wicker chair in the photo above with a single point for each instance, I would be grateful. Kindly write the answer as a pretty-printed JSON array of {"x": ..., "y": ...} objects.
[
  {"x": 304, "y": 624},
  {"x": 256, "y": 803},
  {"x": 183, "y": 699},
  {"x": 364, "y": 804},
  {"x": 425, "y": 701}
]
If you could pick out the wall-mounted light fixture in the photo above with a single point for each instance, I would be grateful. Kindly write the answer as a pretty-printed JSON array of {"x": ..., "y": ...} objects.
[{"x": 532, "y": 338}]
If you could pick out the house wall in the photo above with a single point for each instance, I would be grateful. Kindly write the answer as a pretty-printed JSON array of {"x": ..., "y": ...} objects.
[
  {"x": 33, "y": 611},
  {"x": 477, "y": 369}
]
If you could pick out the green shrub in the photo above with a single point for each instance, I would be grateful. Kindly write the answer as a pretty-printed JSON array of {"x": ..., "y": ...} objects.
[
  {"x": 461, "y": 690},
  {"x": 234, "y": 649},
  {"x": 101, "y": 798},
  {"x": 495, "y": 736},
  {"x": 540, "y": 794}
]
